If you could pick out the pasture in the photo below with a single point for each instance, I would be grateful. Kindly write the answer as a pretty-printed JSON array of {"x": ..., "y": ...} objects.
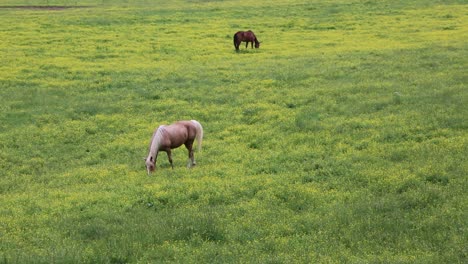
[{"x": 342, "y": 139}]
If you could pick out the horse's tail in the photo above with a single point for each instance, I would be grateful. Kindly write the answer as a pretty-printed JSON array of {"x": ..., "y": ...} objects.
[
  {"x": 199, "y": 135},
  {"x": 235, "y": 40}
]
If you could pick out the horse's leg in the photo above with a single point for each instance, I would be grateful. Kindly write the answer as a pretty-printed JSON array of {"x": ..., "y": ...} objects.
[
  {"x": 189, "y": 146},
  {"x": 169, "y": 156},
  {"x": 246, "y": 44}
]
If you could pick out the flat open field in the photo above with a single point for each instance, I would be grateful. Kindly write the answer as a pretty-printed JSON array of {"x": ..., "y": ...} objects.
[{"x": 342, "y": 139}]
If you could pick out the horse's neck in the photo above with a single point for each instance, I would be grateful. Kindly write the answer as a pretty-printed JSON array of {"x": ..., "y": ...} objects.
[{"x": 155, "y": 141}]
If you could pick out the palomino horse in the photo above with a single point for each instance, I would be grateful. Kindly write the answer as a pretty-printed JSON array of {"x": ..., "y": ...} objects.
[
  {"x": 246, "y": 36},
  {"x": 167, "y": 137}
]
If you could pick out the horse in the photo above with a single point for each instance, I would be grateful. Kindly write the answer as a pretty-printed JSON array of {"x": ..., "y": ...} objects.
[
  {"x": 167, "y": 137},
  {"x": 246, "y": 36}
]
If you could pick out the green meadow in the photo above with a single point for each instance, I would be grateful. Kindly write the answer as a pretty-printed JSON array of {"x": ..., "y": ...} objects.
[{"x": 342, "y": 139}]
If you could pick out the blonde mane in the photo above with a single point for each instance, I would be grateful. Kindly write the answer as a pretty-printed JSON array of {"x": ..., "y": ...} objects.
[{"x": 155, "y": 141}]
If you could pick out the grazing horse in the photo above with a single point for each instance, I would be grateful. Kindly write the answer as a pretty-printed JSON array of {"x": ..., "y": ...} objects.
[
  {"x": 246, "y": 36},
  {"x": 167, "y": 137}
]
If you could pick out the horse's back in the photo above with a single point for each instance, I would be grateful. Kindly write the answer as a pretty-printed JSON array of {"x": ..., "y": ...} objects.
[
  {"x": 239, "y": 36},
  {"x": 244, "y": 34},
  {"x": 180, "y": 132}
]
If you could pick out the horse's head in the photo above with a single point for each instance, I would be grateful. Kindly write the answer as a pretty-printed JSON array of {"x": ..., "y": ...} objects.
[
  {"x": 257, "y": 44},
  {"x": 150, "y": 165}
]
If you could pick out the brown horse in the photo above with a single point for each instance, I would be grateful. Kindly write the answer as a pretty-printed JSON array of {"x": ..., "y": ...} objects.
[
  {"x": 246, "y": 36},
  {"x": 167, "y": 137}
]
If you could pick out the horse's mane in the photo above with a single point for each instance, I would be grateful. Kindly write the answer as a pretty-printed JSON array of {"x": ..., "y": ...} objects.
[{"x": 156, "y": 140}]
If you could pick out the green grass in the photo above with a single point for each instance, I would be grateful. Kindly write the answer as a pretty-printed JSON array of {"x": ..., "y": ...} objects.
[{"x": 343, "y": 139}]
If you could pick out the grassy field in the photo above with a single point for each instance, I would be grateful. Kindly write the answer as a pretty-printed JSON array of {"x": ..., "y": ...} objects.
[{"x": 343, "y": 139}]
